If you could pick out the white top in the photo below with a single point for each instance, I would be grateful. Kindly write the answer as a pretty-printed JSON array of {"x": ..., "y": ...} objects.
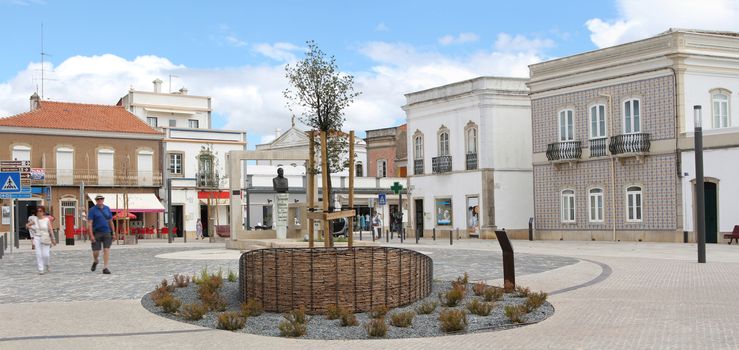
[
  {"x": 33, "y": 229},
  {"x": 43, "y": 226}
]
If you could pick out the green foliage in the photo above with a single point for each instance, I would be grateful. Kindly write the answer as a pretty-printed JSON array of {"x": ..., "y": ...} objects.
[
  {"x": 376, "y": 328},
  {"x": 294, "y": 323},
  {"x": 515, "y": 312},
  {"x": 230, "y": 321},
  {"x": 492, "y": 294},
  {"x": 193, "y": 312},
  {"x": 204, "y": 276},
  {"x": 402, "y": 319},
  {"x": 170, "y": 304},
  {"x": 453, "y": 296},
  {"x": 378, "y": 311},
  {"x": 347, "y": 318},
  {"x": 251, "y": 308},
  {"x": 332, "y": 312},
  {"x": 452, "y": 320},
  {"x": 427, "y": 308},
  {"x": 534, "y": 300},
  {"x": 232, "y": 276},
  {"x": 181, "y": 281},
  {"x": 479, "y": 308},
  {"x": 162, "y": 290}
]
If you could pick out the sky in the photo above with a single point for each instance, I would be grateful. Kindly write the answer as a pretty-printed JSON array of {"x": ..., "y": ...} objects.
[{"x": 236, "y": 51}]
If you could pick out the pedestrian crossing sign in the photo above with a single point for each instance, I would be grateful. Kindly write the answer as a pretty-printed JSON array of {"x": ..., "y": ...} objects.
[{"x": 10, "y": 182}]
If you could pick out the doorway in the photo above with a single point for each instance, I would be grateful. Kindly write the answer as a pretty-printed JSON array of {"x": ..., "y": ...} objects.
[
  {"x": 419, "y": 217},
  {"x": 24, "y": 209},
  {"x": 711, "y": 208},
  {"x": 177, "y": 219},
  {"x": 204, "y": 219}
]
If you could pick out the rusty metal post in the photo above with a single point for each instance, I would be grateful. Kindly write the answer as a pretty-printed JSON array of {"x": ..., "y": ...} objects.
[{"x": 509, "y": 272}]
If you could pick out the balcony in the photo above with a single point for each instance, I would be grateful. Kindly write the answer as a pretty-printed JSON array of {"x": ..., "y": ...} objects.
[
  {"x": 598, "y": 147},
  {"x": 418, "y": 166},
  {"x": 629, "y": 145},
  {"x": 565, "y": 151},
  {"x": 69, "y": 177},
  {"x": 442, "y": 164},
  {"x": 471, "y": 161}
]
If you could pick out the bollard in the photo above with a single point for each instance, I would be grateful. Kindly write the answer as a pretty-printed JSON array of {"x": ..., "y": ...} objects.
[
  {"x": 531, "y": 229},
  {"x": 401, "y": 234},
  {"x": 434, "y": 232},
  {"x": 685, "y": 237},
  {"x": 360, "y": 234},
  {"x": 458, "y": 236},
  {"x": 2, "y": 246},
  {"x": 392, "y": 234},
  {"x": 417, "y": 229},
  {"x": 387, "y": 236},
  {"x": 509, "y": 273},
  {"x": 451, "y": 236}
]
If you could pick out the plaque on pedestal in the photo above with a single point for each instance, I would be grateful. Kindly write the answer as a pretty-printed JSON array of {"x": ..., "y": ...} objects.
[{"x": 280, "y": 215}]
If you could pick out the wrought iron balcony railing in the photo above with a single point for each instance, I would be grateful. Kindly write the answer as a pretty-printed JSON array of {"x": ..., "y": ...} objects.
[
  {"x": 442, "y": 164},
  {"x": 629, "y": 144},
  {"x": 598, "y": 147},
  {"x": 563, "y": 151},
  {"x": 75, "y": 177},
  {"x": 418, "y": 166},
  {"x": 471, "y": 161}
]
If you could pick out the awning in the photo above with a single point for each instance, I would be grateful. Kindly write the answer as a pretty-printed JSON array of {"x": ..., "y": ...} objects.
[
  {"x": 216, "y": 197},
  {"x": 137, "y": 202}
]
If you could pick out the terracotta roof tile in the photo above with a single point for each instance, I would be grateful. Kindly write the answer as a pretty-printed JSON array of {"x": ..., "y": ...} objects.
[{"x": 79, "y": 116}]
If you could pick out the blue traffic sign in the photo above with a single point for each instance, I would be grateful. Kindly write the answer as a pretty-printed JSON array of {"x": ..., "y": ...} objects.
[
  {"x": 15, "y": 195},
  {"x": 10, "y": 182},
  {"x": 382, "y": 199}
]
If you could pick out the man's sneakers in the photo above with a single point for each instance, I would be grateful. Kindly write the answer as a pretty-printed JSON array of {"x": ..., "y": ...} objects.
[
  {"x": 94, "y": 266},
  {"x": 106, "y": 271}
]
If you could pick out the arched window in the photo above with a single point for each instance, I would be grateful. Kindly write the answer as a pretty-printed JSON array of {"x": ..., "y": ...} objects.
[
  {"x": 568, "y": 206},
  {"x": 358, "y": 170},
  {"x": 634, "y": 204},
  {"x": 418, "y": 147},
  {"x": 471, "y": 139},
  {"x": 632, "y": 116},
  {"x": 145, "y": 166},
  {"x": 106, "y": 166},
  {"x": 381, "y": 168},
  {"x": 597, "y": 121},
  {"x": 566, "y": 125},
  {"x": 64, "y": 165},
  {"x": 720, "y": 108},
  {"x": 596, "y": 205},
  {"x": 444, "y": 143}
]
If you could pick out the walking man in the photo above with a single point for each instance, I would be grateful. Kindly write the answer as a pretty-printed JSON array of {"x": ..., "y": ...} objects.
[{"x": 100, "y": 226}]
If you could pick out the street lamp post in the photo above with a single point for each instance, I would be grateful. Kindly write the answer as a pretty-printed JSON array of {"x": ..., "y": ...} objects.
[{"x": 700, "y": 223}]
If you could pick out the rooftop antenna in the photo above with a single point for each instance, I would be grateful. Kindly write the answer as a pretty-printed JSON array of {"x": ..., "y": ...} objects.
[{"x": 42, "y": 60}]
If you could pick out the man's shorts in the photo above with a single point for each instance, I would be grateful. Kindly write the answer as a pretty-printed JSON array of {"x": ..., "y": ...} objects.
[{"x": 102, "y": 238}]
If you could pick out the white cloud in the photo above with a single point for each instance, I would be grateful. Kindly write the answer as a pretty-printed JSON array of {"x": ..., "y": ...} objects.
[
  {"x": 639, "y": 19},
  {"x": 234, "y": 41},
  {"x": 519, "y": 43},
  {"x": 282, "y": 52},
  {"x": 462, "y": 38},
  {"x": 382, "y": 27}
]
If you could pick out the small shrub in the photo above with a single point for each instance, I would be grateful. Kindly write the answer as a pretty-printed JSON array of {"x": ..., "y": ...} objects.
[
  {"x": 452, "y": 320},
  {"x": 347, "y": 318},
  {"x": 492, "y": 294},
  {"x": 333, "y": 312},
  {"x": 522, "y": 291},
  {"x": 204, "y": 276},
  {"x": 193, "y": 312},
  {"x": 230, "y": 321},
  {"x": 461, "y": 281},
  {"x": 534, "y": 300},
  {"x": 378, "y": 312},
  {"x": 170, "y": 304},
  {"x": 452, "y": 297},
  {"x": 210, "y": 285},
  {"x": 294, "y": 323},
  {"x": 376, "y": 328},
  {"x": 479, "y": 308},
  {"x": 232, "y": 276},
  {"x": 479, "y": 288},
  {"x": 515, "y": 313},
  {"x": 402, "y": 319},
  {"x": 427, "y": 308},
  {"x": 214, "y": 301},
  {"x": 251, "y": 308},
  {"x": 181, "y": 281}
]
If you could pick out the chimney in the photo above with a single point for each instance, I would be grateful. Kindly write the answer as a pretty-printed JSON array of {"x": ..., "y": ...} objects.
[
  {"x": 183, "y": 91},
  {"x": 35, "y": 102},
  {"x": 157, "y": 85}
]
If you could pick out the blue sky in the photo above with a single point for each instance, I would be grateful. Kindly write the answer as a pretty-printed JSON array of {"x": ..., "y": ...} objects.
[{"x": 235, "y": 51}]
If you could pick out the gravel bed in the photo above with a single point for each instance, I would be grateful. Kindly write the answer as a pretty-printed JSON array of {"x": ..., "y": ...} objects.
[{"x": 318, "y": 327}]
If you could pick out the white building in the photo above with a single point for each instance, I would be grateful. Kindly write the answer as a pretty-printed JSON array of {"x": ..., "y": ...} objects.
[
  {"x": 186, "y": 121},
  {"x": 470, "y": 145}
]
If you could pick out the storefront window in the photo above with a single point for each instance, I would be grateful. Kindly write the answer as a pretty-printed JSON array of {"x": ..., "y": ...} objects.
[{"x": 444, "y": 211}]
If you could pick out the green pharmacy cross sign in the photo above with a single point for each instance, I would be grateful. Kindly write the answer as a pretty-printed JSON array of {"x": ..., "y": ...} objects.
[{"x": 396, "y": 187}]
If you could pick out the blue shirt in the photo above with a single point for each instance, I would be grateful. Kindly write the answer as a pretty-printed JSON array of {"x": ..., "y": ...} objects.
[{"x": 100, "y": 218}]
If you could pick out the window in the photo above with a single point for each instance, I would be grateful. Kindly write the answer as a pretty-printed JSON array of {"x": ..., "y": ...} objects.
[
  {"x": 381, "y": 168},
  {"x": 632, "y": 121},
  {"x": 21, "y": 153},
  {"x": 152, "y": 121},
  {"x": 568, "y": 206},
  {"x": 597, "y": 121},
  {"x": 358, "y": 170},
  {"x": 173, "y": 123},
  {"x": 444, "y": 143},
  {"x": 634, "y": 204},
  {"x": 175, "y": 163},
  {"x": 418, "y": 147},
  {"x": 64, "y": 165},
  {"x": 145, "y": 166},
  {"x": 566, "y": 125},
  {"x": 720, "y": 111},
  {"x": 193, "y": 123},
  {"x": 596, "y": 205},
  {"x": 105, "y": 166},
  {"x": 471, "y": 137}
]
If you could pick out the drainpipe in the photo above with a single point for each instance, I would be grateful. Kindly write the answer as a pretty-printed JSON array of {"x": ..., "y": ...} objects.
[{"x": 613, "y": 167}]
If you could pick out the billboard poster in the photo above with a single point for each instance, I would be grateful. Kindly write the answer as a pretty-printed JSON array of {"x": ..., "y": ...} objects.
[{"x": 444, "y": 211}]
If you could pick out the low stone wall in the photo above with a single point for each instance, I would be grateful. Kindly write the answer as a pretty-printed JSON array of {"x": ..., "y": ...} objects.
[{"x": 358, "y": 278}]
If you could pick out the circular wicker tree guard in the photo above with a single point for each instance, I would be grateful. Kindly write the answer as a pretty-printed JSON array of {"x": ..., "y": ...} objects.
[{"x": 358, "y": 278}]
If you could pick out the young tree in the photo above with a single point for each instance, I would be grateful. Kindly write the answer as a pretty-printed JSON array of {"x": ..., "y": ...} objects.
[{"x": 319, "y": 94}]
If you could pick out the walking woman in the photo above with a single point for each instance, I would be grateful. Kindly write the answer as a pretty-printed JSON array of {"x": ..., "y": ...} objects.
[{"x": 43, "y": 239}]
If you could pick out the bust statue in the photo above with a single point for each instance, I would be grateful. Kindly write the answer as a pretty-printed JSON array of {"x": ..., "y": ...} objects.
[{"x": 279, "y": 183}]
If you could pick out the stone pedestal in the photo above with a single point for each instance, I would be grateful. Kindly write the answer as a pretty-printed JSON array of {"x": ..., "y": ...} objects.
[{"x": 280, "y": 215}]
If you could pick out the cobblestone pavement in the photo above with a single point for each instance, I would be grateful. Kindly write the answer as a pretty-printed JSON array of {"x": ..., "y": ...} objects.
[{"x": 137, "y": 270}]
